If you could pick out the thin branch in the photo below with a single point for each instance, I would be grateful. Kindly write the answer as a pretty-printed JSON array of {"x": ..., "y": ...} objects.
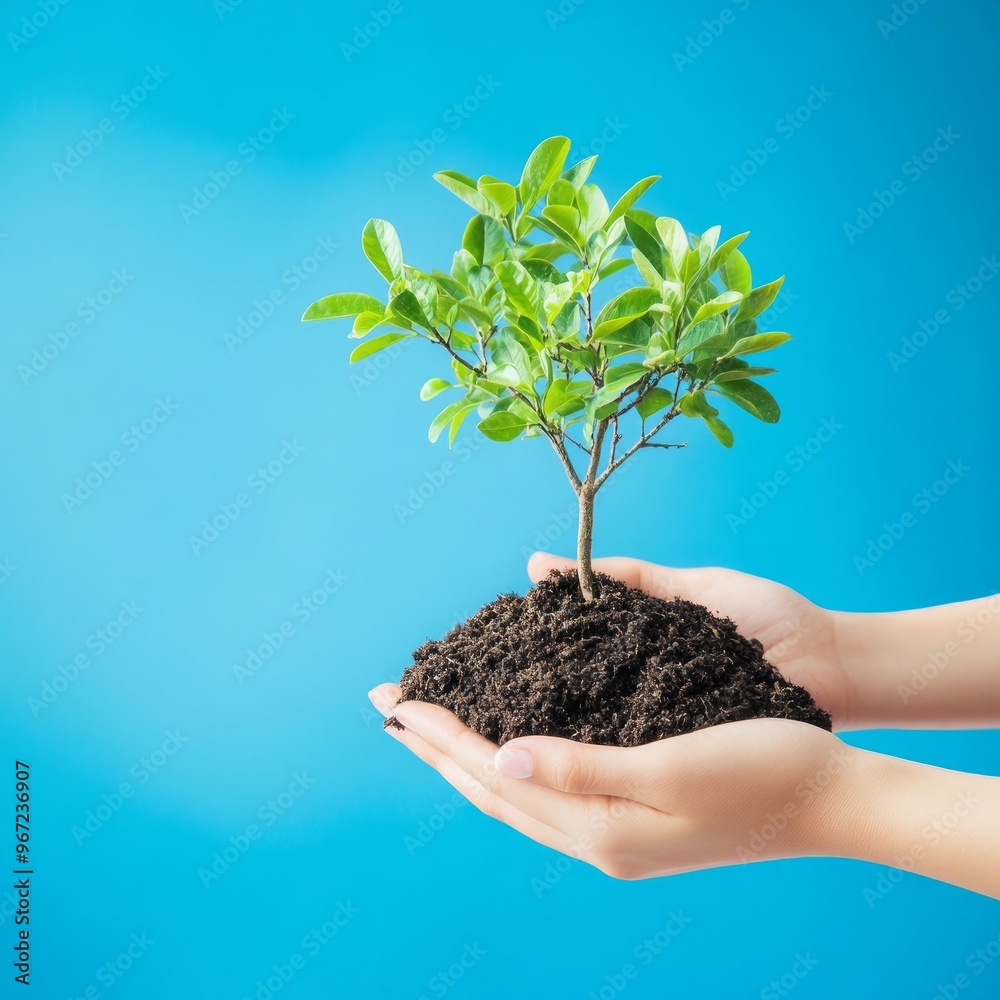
[
  {"x": 446, "y": 344},
  {"x": 641, "y": 443},
  {"x": 595, "y": 453},
  {"x": 677, "y": 387},
  {"x": 615, "y": 438},
  {"x": 657, "y": 444},
  {"x": 567, "y": 463},
  {"x": 482, "y": 342},
  {"x": 642, "y": 392},
  {"x": 573, "y": 440}
]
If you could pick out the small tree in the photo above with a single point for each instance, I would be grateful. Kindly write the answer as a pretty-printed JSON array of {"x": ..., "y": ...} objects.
[{"x": 527, "y": 350}]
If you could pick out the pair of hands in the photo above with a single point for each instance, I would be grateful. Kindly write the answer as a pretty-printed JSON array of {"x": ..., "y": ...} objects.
[{"x": 743, "y": 791}]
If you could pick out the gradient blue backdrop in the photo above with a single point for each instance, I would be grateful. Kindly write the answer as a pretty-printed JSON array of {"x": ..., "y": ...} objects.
[{"x": 607, "y": 75}]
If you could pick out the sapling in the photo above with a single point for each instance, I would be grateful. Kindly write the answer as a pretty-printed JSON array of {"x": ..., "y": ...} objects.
[{"x": 532, "y": 353}]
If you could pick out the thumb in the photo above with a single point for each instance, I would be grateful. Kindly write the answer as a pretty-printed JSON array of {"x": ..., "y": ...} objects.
[
  {"x": 568, "y": 766},
  {"x": 543, "y": 563}
]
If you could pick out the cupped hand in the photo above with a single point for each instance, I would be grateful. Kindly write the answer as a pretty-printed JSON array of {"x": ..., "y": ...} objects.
[
  {"x": 798, "y": 637},
  {"x": 739, "y": 792}
]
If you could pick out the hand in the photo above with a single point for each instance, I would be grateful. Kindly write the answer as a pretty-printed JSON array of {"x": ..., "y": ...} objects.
[
  {"x": 798, "y": 637},
  {"x": 766, "y": 788},
  {"x": 743, "y": 791}
]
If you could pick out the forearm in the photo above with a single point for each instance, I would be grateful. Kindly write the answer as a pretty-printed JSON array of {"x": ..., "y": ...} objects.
[
  {"x": 939, "y": 823},
  {"x": 937, "y": 667}
]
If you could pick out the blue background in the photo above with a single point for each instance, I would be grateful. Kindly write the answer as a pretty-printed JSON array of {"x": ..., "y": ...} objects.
[{"x": 605, "y": 74}]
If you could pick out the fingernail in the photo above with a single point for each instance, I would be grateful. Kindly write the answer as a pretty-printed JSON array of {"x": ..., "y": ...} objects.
[
  {"x": 515, "y": 762},
  {"x": 377, "y": 699}
]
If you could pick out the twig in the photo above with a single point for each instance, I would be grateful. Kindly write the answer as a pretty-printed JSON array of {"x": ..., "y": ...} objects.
[
  {"x": 446, "y": 344},
  {"x": 667, "y": 417},
  {"x": 560, "y": 449}
]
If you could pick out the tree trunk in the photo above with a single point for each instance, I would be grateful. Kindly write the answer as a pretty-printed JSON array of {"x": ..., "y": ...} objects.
[
  {"x": 585, "y": 535},
  {"x": 585, "y": 542}
]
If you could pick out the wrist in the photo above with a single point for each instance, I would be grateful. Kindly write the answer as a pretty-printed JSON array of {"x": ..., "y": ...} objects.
[
  {"x": 913, "y": 817},
  {"x": 855, "y": 818},
  {"x": 852, "y": 654}
]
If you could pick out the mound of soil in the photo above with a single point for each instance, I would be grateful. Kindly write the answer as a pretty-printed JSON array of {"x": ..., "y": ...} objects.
[{"x": 622, "y": 670}]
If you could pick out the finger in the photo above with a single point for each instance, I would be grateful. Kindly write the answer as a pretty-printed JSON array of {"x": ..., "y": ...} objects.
[
  {"x": 475, "y": 755},
  {"x": 384, "y": 697},
  {"x": 481, "y": 797},
  {"x": 576, "y": 768},
  {"x": 659, "y": 581},
  {"x": 542, "y": 563}
]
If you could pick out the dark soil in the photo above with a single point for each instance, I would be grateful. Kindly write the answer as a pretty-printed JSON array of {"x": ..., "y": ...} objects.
[{"x": 622, "y": 670}]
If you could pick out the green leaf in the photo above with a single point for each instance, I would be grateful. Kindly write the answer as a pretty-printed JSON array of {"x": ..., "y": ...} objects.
[
  {"x": 518, "y": 287},
  {"x": 544, "y": 271},
  {"x": 695, "y": 264},
  {"x": 593, "y": 208},
  {"x": 561, "y": 193},
  {"x": 506, "y": 349},
  {"x": 635, "y": 335},
  {"x": 619, "y": 377},
  {"x": 722, "y": 254},
  {"x": 629, "y": 198},
  {"x": 674, "y": 239},
  {"x": 503, "y": 425},
  {"x": 735, "y": 273},
  {"x": 554, "y": 229},
  {"x": 461, "y": 264},
  {"x": 741, "y": 373},
  {"x": 566, "y": 322},
  {"x": 759, "y": 299},
  {"x": 702, "y": 333},
  {"x": 377, "y": 344},
  {"x": 457, "y": 421},
  {"x": 646, "y": 244},
  {"x": 445, "y": 417},
  {"x": 464, "y": 188},
  {"x": 432, "y": 387},
  {"x": 653, "y": 401},
  {"x": 707, "y": 242},
  {"x": 449, "y": 285},
  {"x": 506, "y": 375},
  {"x": 484, "y": 239},
  {"x": 381, "y": 246},
  {"x": 563, "y": 398},
  {"x": 624, "y": 308},
  {"x": 757, "y": 343},
  {"x": 754, "y": 398},
  {"x": 645, "y": 219},
  {"x": 579, "y": 172},
  {"x": 694, "y": 404},
  {"x": 649, "y": 273},
  {"x": 364, "y": 323},
  {"x": 407, "y": 306},
  {"x": 717, "y": 305},
  {"x": 613, "y": 266},
  {"x": 566, "y": 217},
  {"x": 498, "y": 192},
  {"x": 721, "y": 431},
  {"x": 343, "y": 304},
  {"x": 544, "y": 165},
  {"x": 542, "y": 251}
]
